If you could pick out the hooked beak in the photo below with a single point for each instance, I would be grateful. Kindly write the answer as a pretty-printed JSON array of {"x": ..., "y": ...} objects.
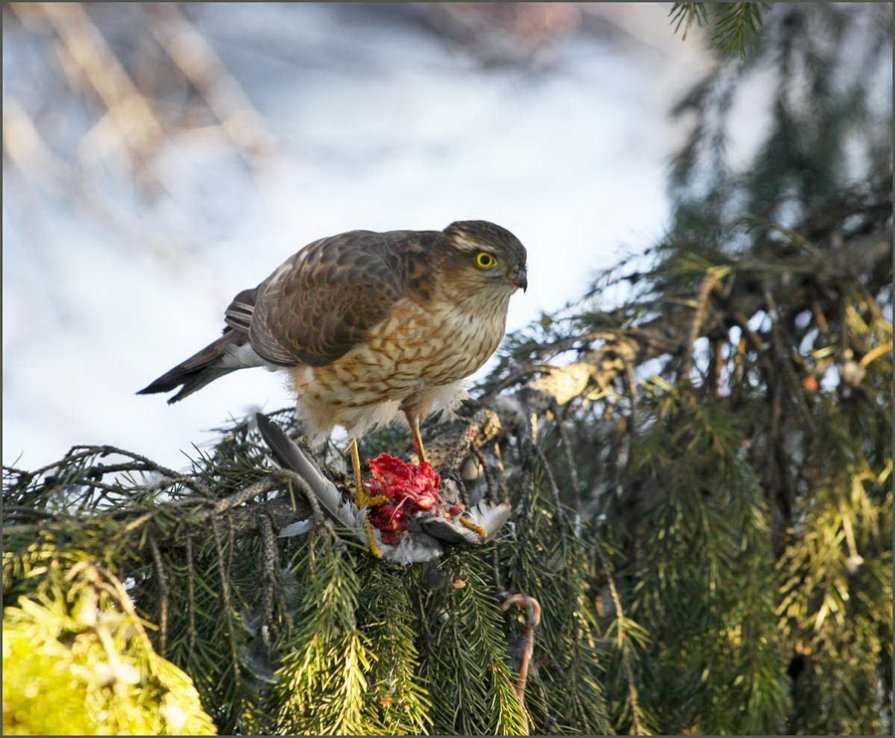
[{"x": 520, "y": 279}]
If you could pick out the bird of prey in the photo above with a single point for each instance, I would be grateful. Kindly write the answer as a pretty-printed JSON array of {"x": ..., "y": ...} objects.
[{"x": 368, "y": 324}]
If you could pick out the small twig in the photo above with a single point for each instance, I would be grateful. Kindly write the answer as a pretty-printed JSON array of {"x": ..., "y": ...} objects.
[
  {"x": 533, "y": 620},
  {"x": 225, "y": 597},
  {"x": 709, "y": 284},
  {"x": 106, "y": 450},
  {"x": 306, "y": 490},
  {"x": 739, "y": 359},
  {"x": 104, "y": 488},
  {"x": 270, "y": 564},
  {"x": 874, "y": 354},
  {"x": 266, "y": 484},
  {"x": 115, "y": 587},
  {"x": 77, "y": 453},
  {"x": 633, "y": 694},
  {"x": 756, "y": 340},
  {"x": 190, "y": 593},
  {"x": 11, "y": 510},
  {"x": 495, "y": 563},
  {"x": 22, "y": 530},
  {"x": 631, "y": 386},
  {"x": 103, "y": 469},
  {"x": 569, "y": 455},
  {"x": 716, "y": 368},
  {"x": 489, "y": 482},
  {"x": 554, "y": 487},
  {"x": 231, "y": 543},
  {"x": 820, "y": 318},
  {"x": 137, "y": 522},
  {"x": 784, "y": 359},
  {"x": 163, "y": 594},
  {"x": 526, "y": 464}
]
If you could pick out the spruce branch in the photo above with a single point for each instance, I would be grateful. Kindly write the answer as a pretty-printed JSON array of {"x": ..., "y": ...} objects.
[
  {"x": 80, "y": 624},
  {"x": 711, "y": 555},
  {"x": 735, "y": 25}
]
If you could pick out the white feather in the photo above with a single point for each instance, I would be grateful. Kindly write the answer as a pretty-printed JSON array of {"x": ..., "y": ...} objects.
[
  {"x": 242, "y": 357},
  {"x": 446, "y": 398},
  {"x": 298, "y": 528},
  {"x": 411, "y": 549}
]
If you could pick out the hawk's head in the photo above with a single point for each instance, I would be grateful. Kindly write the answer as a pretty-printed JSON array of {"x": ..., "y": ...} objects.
[{"x": 487, "y": 256}]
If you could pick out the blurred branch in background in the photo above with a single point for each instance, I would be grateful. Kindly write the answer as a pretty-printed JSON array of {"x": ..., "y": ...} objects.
[
  {"x": 24, "y": 145},
  {"x": 127, "y": 121},
  {"x": 199, "y": 63},
  {"x": 734, "y": 26},
  {"x": 134, "y": 116},
  {"x": 147, "y": 78},
  {"x": 509, "y": 33},
  {"x": 504, "y": 32}
]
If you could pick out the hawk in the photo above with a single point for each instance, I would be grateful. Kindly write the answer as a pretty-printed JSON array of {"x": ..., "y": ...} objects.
[{"x": 369, "y": 324}]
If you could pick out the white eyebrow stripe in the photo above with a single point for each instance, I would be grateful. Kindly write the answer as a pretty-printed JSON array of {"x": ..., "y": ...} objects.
[{"x": 465, "y": 245}]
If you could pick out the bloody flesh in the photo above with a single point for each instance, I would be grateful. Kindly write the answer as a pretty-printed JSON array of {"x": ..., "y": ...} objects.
[{"x": 409, "y": 489}]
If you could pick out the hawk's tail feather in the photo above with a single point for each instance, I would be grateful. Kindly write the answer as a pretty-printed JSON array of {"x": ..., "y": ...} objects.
[{"x": 200, "y": 369}]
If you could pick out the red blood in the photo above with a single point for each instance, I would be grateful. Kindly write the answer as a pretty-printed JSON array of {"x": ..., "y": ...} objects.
[{"x": 408, "y": 489}]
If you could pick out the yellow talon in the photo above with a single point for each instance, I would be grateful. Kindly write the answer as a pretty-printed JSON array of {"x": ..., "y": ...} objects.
[
  {"x": 362, "y": 499},
  {"x": 477, "y": 529},
  {"x": 371, "y": 540},
  {"x": 360, "y": 493},
  {"x": 365, "y": 500}
]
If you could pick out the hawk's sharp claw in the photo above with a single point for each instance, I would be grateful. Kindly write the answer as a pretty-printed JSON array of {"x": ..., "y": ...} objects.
[
  {"x": 371, "y": 540},
  {"x": 477, "y": 529}
]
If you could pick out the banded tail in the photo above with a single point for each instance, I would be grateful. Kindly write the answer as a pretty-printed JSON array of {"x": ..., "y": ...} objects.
[{"x": 228, "y": 353}]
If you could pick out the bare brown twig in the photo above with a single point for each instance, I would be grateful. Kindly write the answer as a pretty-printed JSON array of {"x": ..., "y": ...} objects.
[{"x": 533, "y": 620}]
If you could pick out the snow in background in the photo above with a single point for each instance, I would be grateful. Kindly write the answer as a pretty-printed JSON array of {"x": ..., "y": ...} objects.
[{"x": 378, "y": 124}]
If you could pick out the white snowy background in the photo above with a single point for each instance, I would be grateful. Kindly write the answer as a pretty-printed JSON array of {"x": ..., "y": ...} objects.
[{"x": 377, "y": 123}]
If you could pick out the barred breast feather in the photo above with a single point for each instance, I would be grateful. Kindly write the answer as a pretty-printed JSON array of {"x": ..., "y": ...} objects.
[{"x": 414, "y": 357}]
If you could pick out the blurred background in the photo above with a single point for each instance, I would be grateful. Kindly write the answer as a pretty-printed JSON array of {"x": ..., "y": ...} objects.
[{"x": 157, "y": 159}]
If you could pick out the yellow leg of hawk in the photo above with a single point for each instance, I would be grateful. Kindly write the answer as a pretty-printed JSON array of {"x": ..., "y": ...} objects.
[
  {"x": 414, "y": 422},
  {"x": 362, "y": 498}
]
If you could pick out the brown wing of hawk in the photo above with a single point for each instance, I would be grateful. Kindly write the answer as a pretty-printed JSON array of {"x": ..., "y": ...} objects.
[{"x": 313, "y": 309}]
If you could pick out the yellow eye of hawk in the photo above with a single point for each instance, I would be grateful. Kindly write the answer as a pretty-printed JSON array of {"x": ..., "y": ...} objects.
[{"x": 484, "y": 260}]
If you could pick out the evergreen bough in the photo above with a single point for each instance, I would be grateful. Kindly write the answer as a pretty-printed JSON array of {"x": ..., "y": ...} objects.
[{"x": 700, "y": 473}]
